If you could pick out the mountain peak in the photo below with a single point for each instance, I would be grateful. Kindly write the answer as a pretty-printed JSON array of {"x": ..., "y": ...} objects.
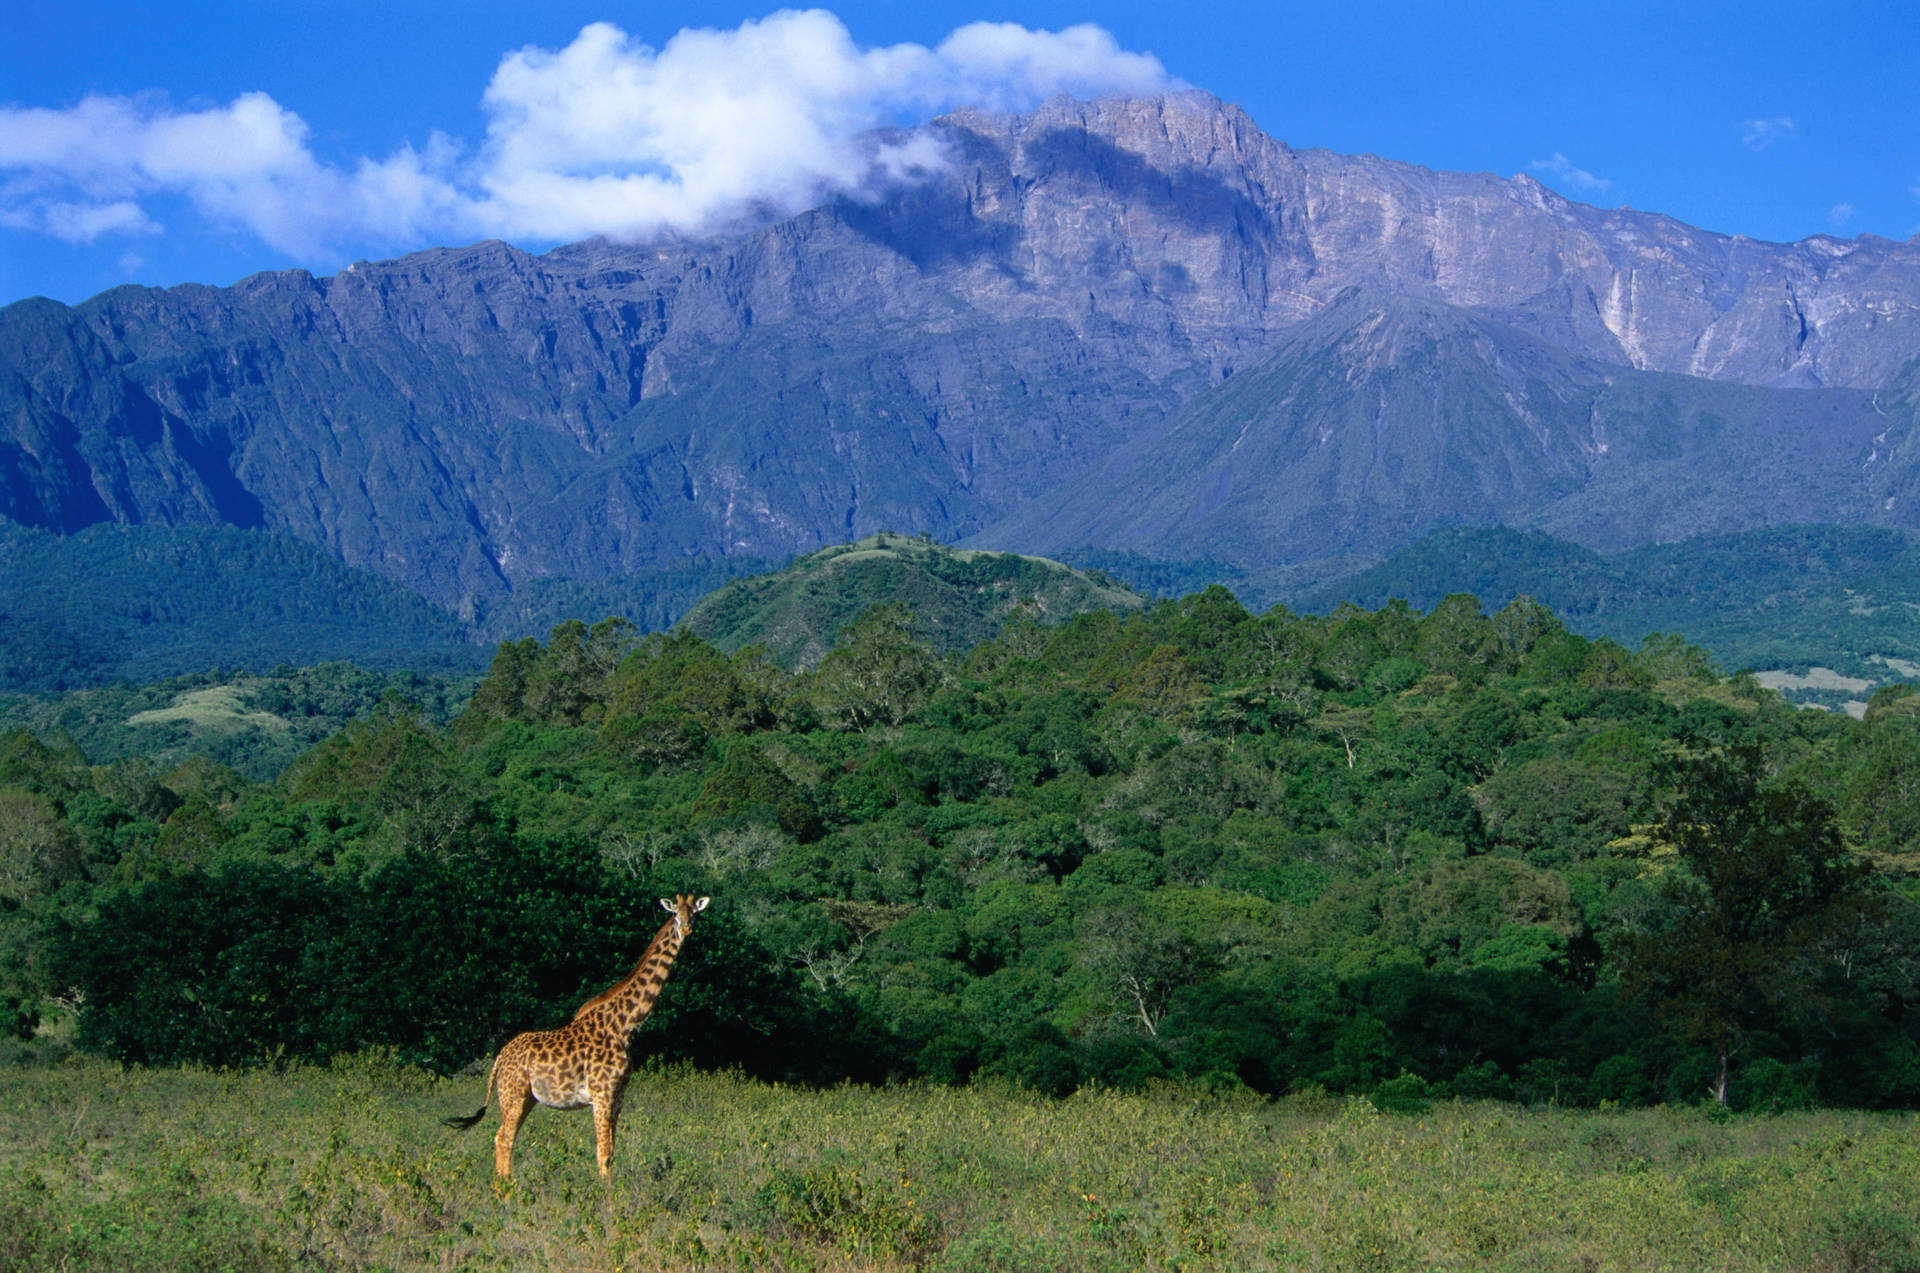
[{"x": 1180, "y": 129}]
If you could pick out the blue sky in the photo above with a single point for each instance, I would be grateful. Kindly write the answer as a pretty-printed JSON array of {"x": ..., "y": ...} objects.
[{"x": 161, "y": 143}]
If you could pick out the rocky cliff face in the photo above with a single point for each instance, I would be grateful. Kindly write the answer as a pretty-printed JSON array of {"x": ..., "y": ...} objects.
[
  {"x": 1197, "y": 201},
  {"x": 1077, "y": 282},
  {"x": 1383, "y": 418}
]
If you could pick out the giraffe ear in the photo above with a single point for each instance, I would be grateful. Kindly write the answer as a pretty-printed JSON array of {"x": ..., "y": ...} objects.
[
  {"x": 667, "y": 902},
  {"x": 701, "y": 904}
]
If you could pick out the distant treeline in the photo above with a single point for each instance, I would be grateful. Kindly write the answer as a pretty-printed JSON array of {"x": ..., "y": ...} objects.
[
  {"x": 1408, "y": 853},
  {"x": 1793, "y": 597},
  {"x": 145, "y": 603}
]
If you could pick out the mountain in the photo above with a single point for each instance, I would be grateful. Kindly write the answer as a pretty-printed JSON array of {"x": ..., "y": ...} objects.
[
  {"x": 1119, "y": 326},
  {"x": 1384, "y": 417},
  {"x": 958, "y": 597}
]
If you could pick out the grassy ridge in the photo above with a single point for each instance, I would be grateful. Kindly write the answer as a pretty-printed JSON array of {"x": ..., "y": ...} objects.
[{"x": 348, "y": 1168}]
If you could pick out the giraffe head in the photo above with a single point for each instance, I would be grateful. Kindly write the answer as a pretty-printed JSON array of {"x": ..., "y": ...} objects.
[{"x": 684, "y": 906}]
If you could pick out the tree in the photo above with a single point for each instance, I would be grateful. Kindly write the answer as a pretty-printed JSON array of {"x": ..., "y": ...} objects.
[
  {"x": 38, "y": 851},
  {"x": 567, "y": 684},
  {"x": 192, "y": 836},
  {"x": 502, "y": 694},
  {"x": 1557, "y": 810},
  {"x": 398, "y": 768},
  {"x": 1210, "y": 628},
  {"x": 1164, "y": 686},
  {"x": 1349, "y": 725},
  {"x": 1883, "y": 799},
  {"x": 1458, "y": 639},
  {"x": 674, "y": 692},
  {"x": 878, "y": 672},
  {"x": 1138, "y": 962},
  {"x": 1610, "y": 667},
  {"x": 1352, "y": 645},
  {"x": 748, "y": 785},
  {"x": 1762, "y": 885},
  {"x": 1522, "y": 624},
  {"x": 1666, "y": 656}
]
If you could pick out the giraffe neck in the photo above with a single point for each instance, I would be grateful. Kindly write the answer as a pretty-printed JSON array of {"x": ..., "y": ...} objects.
[{"x": 628, "y": 1002}]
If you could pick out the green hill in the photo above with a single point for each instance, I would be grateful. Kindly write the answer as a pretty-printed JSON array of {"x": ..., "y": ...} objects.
[{"x": 958, "y": 597}]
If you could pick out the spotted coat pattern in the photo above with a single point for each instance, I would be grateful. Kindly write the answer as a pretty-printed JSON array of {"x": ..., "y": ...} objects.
[{"x": 584, "y": 1063}]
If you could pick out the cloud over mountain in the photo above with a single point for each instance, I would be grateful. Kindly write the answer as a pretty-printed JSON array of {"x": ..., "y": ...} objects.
[
  {"x": 1563, "y": 171},
  {"x": 608, "y": 135}
]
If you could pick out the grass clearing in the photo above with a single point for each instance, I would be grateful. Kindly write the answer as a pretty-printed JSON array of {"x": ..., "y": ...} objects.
[
  {"x": 349, "y": 1168},
  {"x": 213, "y": 708}
]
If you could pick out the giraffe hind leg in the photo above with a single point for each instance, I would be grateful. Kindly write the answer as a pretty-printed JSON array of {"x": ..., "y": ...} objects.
[{"x": 516, "y": 1101}]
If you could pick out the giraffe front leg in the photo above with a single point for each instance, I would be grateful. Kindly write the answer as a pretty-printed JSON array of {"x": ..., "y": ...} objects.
[
  {"x": 606, "y": 1120},
  {"x": 516, "y": 1101}
]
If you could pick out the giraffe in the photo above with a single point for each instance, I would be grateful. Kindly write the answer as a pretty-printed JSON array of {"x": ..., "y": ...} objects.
[{"x": 585, "y": 1061}]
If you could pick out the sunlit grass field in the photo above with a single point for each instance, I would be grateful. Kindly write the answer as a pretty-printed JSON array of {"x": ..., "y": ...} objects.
[{"x": 350, "y": 1168}]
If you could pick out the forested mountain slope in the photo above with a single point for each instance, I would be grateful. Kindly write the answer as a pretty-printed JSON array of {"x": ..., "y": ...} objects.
[
  {"x": 141, "y": 603},
  {"x": 1784, "y": 599},
  {"x": 1382, "y": 418}
]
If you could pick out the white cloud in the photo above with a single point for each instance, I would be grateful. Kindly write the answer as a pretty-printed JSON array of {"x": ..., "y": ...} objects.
[
  {"x": 1003, "y": 65},
  {"x": 81, "y": 172},
  {"x": 85, "y": 222},
  {"x": 607, "y": 135},
  {"x": 1758, "y": 134},
  {"x": 612, "y": 135},
  {"x": 1562, "y": 170},
  {"x": 1840, "y": 216},
  {"x": 79, "y": 222}
]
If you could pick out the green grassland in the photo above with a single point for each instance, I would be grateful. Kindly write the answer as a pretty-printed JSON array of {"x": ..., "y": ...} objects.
[
  {"x": 349, "y": 1168},
  {"x": 214, "y": 708},
  {"x": 1184, "y": 938}
]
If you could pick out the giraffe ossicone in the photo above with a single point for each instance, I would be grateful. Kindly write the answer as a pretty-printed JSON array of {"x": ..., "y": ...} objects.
[{"x": 584, "y": 1063}]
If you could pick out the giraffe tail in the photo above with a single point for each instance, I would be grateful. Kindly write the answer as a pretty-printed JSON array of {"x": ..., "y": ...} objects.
[
  {"x": 458, "y": 1123},
  {"x": 461, "y": 1124}
]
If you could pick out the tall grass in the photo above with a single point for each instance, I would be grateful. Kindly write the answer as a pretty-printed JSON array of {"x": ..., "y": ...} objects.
[{"x": 349, "y": 1168}]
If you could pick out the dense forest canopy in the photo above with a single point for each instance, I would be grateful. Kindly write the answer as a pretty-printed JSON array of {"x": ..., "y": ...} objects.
[
  {"x": 1789, "y": 599},
  {"x": 1401, "y": 852}
]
